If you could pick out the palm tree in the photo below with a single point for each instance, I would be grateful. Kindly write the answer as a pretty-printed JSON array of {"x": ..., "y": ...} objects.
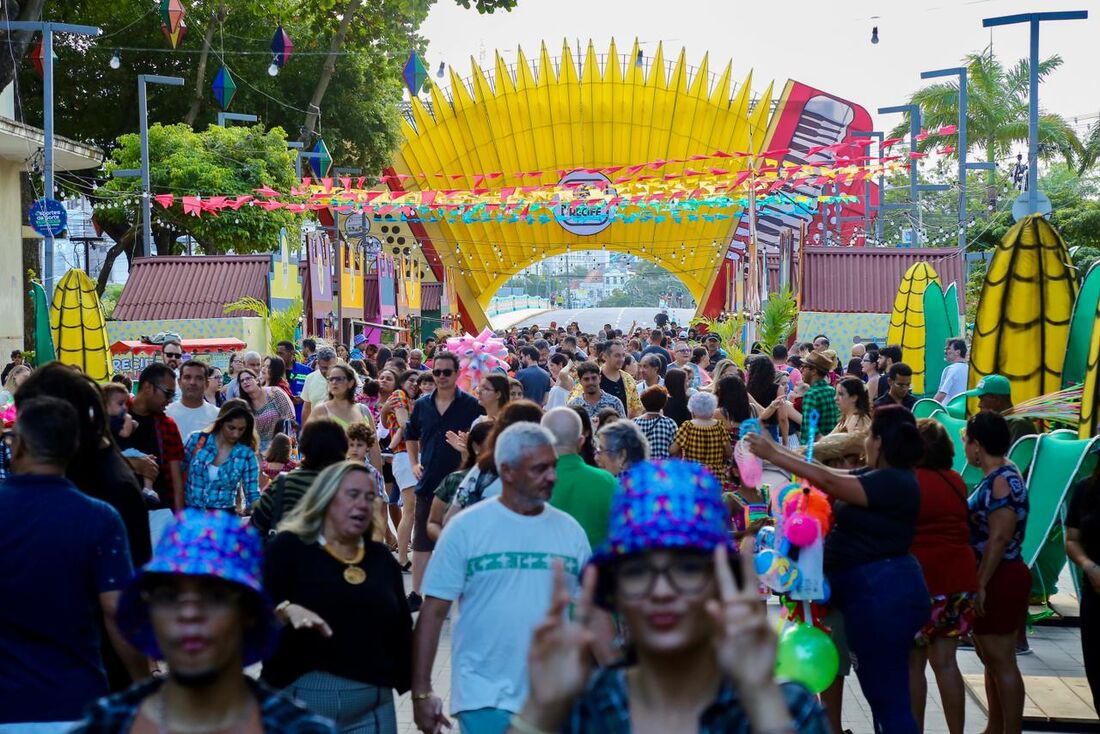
[
  {"x": 997, "y": 114},
  {"x": 1092, "y": 149}
]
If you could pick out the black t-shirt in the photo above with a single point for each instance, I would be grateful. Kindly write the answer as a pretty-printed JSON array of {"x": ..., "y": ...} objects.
[
  {"x": 371, "y": 625},
  {"x": 426, "y": 425},
  {"x": 661, "y": 352},
  {"x": 614, "y": 387},
  {"x": 883, "y": 529},
  {"x": 1084, "y": 515}
]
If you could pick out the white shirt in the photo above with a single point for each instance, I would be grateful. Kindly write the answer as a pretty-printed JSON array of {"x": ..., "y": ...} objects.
[
  {"x": 497, "y": 564},
  {"x": 190, "y": 420},
  {"x": 557, "y": 398},
  {"x": 315, "y": 388},
  {"x": 643, "y": 386},
  {"x": 953, "y": 380}
]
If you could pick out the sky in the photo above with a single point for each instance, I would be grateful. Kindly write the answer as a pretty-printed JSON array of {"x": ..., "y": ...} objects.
[{"x": 823, "y": 43}]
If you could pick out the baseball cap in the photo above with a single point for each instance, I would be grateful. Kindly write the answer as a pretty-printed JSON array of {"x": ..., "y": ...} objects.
[{"x": 991, "y": 385}]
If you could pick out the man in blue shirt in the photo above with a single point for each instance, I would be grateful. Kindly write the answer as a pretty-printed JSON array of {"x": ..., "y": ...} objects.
[
  {"x": 446, "y": 410},
  {"x": 65, "y": 558},
  {"x": 296, "y": 374},
  {"x": 535, "y": 380}
]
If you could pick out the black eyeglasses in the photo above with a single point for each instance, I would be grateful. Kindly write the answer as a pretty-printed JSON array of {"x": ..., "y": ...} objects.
[
  {"x": 686, "y": 574},
  {"x": 173, "y": 355},
  {"x": 442, "y": 372},
  {"x": 165, "y": 391}
]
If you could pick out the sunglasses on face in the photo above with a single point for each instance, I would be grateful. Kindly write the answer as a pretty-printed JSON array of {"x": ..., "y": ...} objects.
[
  {"x": 173, "y": 355},
  {"x": 443, "y": 372},
  {"x": 169, "y": 394}
]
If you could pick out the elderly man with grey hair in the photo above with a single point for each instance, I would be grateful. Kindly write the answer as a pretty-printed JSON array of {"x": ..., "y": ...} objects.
[
  {"x": 581, "y": 490},
  {"x": 496, "y": 559},
  {"x": 315, "y": 389},
  {"x": 253, "y": 362}
]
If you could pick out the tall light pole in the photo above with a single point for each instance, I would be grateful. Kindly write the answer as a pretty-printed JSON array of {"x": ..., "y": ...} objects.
[
  {"x": 146, "y": 194},
  {"x": 964, "y": 166},
  {"x": 915, "y": 188},
  {"x": 47, "y": 30},
  {"x": 1034, "y": 19},
  {"x": 235, "y": 117}
]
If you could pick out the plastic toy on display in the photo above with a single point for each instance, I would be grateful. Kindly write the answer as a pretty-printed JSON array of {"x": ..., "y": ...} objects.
[{"x": 478, "y": 356}]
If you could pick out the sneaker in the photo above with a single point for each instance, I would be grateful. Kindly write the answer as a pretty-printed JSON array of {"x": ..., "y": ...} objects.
[
  {"x": 415, "y": 600},
  {"x": 407, "y": 568},
  {"x": 1024, "y": 650}
]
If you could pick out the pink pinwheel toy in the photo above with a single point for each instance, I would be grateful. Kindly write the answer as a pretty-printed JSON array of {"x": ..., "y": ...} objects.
[{"x": 477, "y": 356}]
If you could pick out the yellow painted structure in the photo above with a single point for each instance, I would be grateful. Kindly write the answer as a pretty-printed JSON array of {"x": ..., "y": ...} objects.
[
  {"x": 907, "y": 321},
  {"x": 567, "y": 115}
]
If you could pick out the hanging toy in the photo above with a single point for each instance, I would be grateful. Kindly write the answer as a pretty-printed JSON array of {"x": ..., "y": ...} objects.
[
  {"x": 776, "y": 570},
  {"x": 478, "y": 356},
  {"x": 749, "y": 464}
]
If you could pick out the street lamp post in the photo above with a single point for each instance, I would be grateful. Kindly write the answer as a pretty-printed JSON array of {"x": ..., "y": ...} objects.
[
  {"x": 146, "y": 194},
  {"x": 1034, "y": 19},
  {"x": 915, "y": 188},
  {"x": 223, "y": 117},
  {"x": 964, "y": 166},
  {"x": 47, "y": 30}
]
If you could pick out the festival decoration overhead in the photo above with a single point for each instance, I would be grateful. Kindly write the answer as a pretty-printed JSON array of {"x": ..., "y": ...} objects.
[
  {"x": 907, "y": 322},
  {"x": 38, "y": 56},
  {"x": 224, "y": 88},
  {"x": 414, "y": 73},
  {"x": 1082, "y": 363},
  {"x": 281, "y": 46},
  {"x": 322, "y": 164},
  {"x": 171, "y": 21},
  {"x": 941, "y": 322},
  {"x": 478, "y": 356},
  {"x": 174, "y": 37},
  {"x": 1022, "y": 326},
  {"x": 79, "y": 327}
]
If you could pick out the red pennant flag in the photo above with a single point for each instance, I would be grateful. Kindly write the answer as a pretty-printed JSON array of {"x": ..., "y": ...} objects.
[
  {"x": 345, "y": 181},
  {"x": 271, "y": 205},
  {"x": 721, "y": 154},
  {"x": 948, "y": 130},
  {"x": 240, "y": 201},
  {"x": 192, "y": 205},
  {"x": 890, "y": 141},
  {"x": 267, "y": 191},
  {"x": 165, "y": 200},
  {"x": 915, "y": 155},
  {"x": 923, "y": 135}
]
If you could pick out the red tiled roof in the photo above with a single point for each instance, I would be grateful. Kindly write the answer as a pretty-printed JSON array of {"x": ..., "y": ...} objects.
[
  {"x": 866, "y": 279},
  {"x": 191, "y": 287}
]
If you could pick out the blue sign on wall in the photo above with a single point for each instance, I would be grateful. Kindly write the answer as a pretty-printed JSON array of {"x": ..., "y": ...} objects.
[{"x": 48, "y": 217}]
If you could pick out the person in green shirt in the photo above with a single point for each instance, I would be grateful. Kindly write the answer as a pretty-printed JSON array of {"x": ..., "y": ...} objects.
[
  {"x": 821, "y": 396},
  {"x": 582, "y": 491}
]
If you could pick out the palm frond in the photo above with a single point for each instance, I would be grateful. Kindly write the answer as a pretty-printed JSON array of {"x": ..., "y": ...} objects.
[
  {"x": 778, "y": 319},
  {"x": 729, "y": 331}
]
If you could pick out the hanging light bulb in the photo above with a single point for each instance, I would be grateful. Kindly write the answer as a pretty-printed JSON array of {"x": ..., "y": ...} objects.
[
  {"x": 439, "y": 71},
  {"x": 639, "y": 60},
  {"x": 116, "y": 60},
  {"x": 273, "y": 70},
  {"x": 874, "y": 35}
]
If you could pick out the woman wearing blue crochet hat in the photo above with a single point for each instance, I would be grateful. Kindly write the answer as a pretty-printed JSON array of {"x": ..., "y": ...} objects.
[{"x": 703, "y": 651}]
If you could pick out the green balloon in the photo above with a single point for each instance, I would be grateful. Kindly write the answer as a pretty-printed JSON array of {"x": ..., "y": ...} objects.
[{"x": 808, "y": 656}]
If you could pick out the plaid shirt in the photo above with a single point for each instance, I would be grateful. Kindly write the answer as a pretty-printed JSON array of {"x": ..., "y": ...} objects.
[
  {"x": 659, "y": 432},
  {"x": 630, "y": 386},
  {"x": 241, "y": 469},
  {"x": 605, "y": 709},
  {"x": 706, "y": 445},
  {"x": 114, "y": 714},
  {"x": 820, "y": 397},
  {"x": 606, "y": 401}
]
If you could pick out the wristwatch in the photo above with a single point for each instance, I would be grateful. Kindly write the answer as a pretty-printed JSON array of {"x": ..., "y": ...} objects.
[{"x": 423, "y": 696}]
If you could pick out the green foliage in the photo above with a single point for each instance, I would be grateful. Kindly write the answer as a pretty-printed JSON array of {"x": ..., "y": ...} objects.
[
  {"x": 231, "y": 161},
  {"x": 778, "y": 319},
  {"x": 649, "y": 282},
  {"x": 729, "y": 331},
  {"x": 281, "y": 325},
  {"x": 109, "y": 299}
]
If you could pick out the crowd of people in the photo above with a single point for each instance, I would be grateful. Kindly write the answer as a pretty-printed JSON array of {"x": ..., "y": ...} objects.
[{"x": 582, "y": 510}]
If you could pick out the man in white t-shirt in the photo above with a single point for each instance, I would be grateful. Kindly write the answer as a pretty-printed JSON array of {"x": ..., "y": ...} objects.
[
  {"x": 496, "y": 560},
  {"x": 953, "y": 380},
  {"x": 191, "y": 412},
  {"x": 315, "y": 389}
]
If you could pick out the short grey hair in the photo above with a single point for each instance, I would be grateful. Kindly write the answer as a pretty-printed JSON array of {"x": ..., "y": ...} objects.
[
  {"x": 252, "y": 355},
  {"x": 624, "y": 436},
  {"x": 702, "y": 404},
  {"x": 516, "y": 440},
  {"x": 326, "y": 353}
]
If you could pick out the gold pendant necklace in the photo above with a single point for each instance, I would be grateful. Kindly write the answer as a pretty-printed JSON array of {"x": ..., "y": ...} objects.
[{"x": 353, "y": 574}]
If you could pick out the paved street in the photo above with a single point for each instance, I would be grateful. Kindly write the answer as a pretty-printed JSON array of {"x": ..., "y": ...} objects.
[{"x": 592, "y": 320}]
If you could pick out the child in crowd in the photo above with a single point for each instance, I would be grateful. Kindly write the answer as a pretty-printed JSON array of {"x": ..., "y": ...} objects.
[
  {"x": 360, "y": 440},
  {"x": 277, "y": 460},
  {"x": 117, "y": 399}
]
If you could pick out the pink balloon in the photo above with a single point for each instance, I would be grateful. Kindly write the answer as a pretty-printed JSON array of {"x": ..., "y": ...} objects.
[
  {"x": 749, "y": 465},
  {"x": 801, "y": 529}
]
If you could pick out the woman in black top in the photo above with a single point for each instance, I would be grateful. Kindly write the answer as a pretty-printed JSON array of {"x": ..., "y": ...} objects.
[
  {"x": 1083, "y": 548},
  {"x": 347, "y": 643},
  {"x": 875, "y": 582},
  {"x": 676, "y": 382},
  {"x": 764, "y": 389}
]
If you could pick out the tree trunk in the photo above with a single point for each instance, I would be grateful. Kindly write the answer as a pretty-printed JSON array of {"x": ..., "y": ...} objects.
[
  {"x": 327, "y": 70},
  {"x": 216, "y": 19},
  {"x": 15, "y": 44},
  {"x": 990, "y": 177},
  {"x": 125, "y": 239}
]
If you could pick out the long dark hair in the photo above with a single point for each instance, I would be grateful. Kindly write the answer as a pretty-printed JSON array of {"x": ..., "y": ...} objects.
[
  {"x": 855, "y": 387},
  {"x": 502, "y": 386},
  {"x": 231, "y": 410},
  {"x": 477, "y": 437},
  {"x": 676, "y": 381},
  {"x": 517, "y": 411},
  {"x": 733, "y": 398},
  {"x": 588, "y": 448},
  {"x": 902, "y": 446},
  {"x": 760, "y": 380}
]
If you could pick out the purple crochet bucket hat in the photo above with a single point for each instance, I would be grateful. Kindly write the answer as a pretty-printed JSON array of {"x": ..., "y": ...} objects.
[
  {"x": 665, "y": 504},
  {"x": 202, "y": 543}
]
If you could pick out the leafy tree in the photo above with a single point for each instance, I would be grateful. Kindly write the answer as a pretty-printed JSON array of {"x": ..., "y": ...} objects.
[
  {"x": 997, "y": 110},
  {"x": 646, "y": 286},
  {"x": 233, "y": 161}
]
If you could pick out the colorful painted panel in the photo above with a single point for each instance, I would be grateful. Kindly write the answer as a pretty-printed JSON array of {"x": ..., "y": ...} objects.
[
  {"x": 387, "y": 294},
  {"x": 285, "y": 283},
  {"x": 844, "y": 329},
  {"x": 351, "y": 281},
  {"x": 320, "y": 274}
]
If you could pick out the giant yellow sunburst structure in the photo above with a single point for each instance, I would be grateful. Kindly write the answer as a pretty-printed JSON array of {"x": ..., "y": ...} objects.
[{"x": 561, "y": 115}]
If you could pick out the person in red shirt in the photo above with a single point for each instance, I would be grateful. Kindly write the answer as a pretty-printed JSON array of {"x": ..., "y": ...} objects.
[{"x": 942, "y": 547}]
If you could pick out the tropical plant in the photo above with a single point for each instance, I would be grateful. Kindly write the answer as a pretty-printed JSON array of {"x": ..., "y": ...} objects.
[
  {"x": 110, "y": 297},
  {"x": 729, "y": 331},
  {"x": 778, "y": 319},
  {"x": 1091, "y": 152},
  {"x": 282, "y": 325},
  {"x": 997, "y": 114}
]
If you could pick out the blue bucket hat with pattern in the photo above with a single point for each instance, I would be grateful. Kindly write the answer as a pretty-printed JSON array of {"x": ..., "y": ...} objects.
[
  {"x": 208, "y": 543},
  {"x": 665, "y": 504}
]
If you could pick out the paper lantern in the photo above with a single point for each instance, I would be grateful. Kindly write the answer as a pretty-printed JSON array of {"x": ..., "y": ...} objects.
[
  {"x": 415, "y": 73},
  {"x": 171, "y": 13},
  {"x": 38, "y": 55},
  {"x": 174, "y": 38},
  {"x": 323, "y": 163},
  {"x": 224, "y": 87},
  {"x": 281, "y": 46}
]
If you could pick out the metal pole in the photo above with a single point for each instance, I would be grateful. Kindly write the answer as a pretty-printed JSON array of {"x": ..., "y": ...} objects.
[
  {"x": 234, "y": 116},
  {"x": 146, "y": 247},
  {"x": 1034, "y": 19}
]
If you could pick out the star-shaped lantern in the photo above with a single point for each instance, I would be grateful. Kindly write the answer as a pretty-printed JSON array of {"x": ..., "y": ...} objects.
[
  {"x": 38, "y": 55},
  {"x": 323, "y": 162},
  {"x": 415, "y": 73}
]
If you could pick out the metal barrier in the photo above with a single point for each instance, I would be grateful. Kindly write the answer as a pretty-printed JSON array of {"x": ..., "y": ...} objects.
[{"x": 508, "y": 304}]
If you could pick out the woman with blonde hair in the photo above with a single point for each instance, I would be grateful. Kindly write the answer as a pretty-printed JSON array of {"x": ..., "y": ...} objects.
[
  {"x": 723, "y": 368},
  {"x": 346, "y": 645},
  {"x": 16, "y": 377}
]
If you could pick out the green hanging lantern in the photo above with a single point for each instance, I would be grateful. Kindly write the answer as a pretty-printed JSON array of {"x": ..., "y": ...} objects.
[
  {"x": 224, "y": 88},
  {"x": 322, "y": 164}
]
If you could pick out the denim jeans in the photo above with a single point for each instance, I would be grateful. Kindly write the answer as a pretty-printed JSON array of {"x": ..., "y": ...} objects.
[{"x": 885, "y": 603}]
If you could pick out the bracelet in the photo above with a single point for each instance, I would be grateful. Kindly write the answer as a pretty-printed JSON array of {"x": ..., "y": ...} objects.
[
  {"x": 423, "y": 696},
  {"x": 525, "y": 727}
]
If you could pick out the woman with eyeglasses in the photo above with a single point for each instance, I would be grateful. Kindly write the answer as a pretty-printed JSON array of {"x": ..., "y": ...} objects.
[
  {"x": 493, "y": 393},
  {"x": 271, "y": 407},
  {"x": 703, "y": 653},
  {"x": 342, "y": 407},
  {"x": 871, "y": 374},
  {"x": 236, "y": 364}
]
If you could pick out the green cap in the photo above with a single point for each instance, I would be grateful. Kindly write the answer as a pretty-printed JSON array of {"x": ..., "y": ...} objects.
[{"x": 991, "y": 385}]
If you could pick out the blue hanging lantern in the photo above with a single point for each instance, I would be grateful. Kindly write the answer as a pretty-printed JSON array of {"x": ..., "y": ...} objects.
[
  {"x": 415, "y": 73},
  {"x": 322, "y": 164},
  {"x": 281, "y": 46},
  {"x": 224, "y": 88}
]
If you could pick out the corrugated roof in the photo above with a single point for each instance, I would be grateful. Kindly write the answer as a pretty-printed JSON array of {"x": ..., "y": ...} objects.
[
  {"x": 866, "y": 280},
  {"x": 431, "y": 296},
  {"x": 191, "y": 287}
]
